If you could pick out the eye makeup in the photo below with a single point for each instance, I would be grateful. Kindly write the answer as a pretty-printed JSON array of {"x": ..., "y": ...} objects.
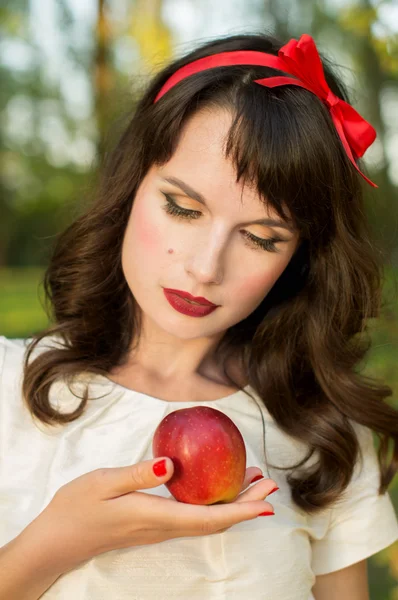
[{"x": 176, "y": 211}]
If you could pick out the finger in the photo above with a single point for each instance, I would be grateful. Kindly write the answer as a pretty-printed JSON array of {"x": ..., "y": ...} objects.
[
  {"x": 257, "y": 491},
  {"x": 204, "y": 520},
  {"x": 251, "y": 472},
  {"x": 113, "y": 482}
]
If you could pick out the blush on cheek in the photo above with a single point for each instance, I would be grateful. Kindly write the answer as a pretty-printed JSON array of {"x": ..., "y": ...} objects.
[
  {"x": 257, "y": 285},
  {"x": 145, "y": 232}
]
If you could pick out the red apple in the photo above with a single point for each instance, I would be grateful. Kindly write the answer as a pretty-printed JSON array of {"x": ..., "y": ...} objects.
[{"x": 208, "y": 452}]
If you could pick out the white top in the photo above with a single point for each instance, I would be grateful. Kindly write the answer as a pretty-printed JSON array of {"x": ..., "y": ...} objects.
[{"x": 268, "y": 558}]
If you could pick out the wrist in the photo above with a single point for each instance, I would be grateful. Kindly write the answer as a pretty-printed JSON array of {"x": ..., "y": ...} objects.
[
  {"x": 37, "y": 546},
  {"x": 25, "y": 572}
]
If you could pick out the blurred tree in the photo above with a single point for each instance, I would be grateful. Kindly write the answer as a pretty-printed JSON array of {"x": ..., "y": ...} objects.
[
  {"x": 46, "y": 166},
  {"x": 150, "y": 32},
  {"x": 143, "y": 26},
  {"x": 369, "y": 55},
  {"x": 103, "y": 72},
  {"x": 11, "y": 22},
  {"x": 39, "y": 172}
]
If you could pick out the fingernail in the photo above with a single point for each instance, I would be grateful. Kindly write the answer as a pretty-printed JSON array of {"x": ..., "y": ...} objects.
[
  {"x": 257, "y": 477},
  {"x": 265, "y": 514},
  {"x": 275, "y": 489},
  {"x": 159, "y": 468}
]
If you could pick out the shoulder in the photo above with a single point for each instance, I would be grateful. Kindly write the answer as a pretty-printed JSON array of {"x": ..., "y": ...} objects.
[
  {"x": 10, "y": 345},
  {"x": 362, "y": 522},
  {"x": 13, "y": 352},
  {"x": 13, "y": 409}
]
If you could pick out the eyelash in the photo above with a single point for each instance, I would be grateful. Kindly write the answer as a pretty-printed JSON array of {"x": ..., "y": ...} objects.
[{"x": 174, "y": 210}]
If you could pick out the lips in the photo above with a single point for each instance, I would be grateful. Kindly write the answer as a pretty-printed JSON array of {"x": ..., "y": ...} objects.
[
  {"x": 185, "y": 307},
  {"x": 187, "y": 296}
]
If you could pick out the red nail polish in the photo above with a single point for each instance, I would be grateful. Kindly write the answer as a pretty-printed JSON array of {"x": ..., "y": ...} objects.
[
  {"x": 275, "y": 489},
  {"x": 264, "y": 514},
  {"x": 159, "y": 468},
  {"x": 257, "y": 477}
]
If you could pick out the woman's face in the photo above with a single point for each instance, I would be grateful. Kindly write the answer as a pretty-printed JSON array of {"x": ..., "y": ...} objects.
[{"x": 211, "y": 254}]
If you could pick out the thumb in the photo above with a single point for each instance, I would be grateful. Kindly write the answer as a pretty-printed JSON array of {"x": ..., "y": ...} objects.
[{"x": 140, "y": 476}]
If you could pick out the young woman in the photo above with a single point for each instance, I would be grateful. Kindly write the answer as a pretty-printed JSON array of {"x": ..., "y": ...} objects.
[{"x": 226, "y": 261}]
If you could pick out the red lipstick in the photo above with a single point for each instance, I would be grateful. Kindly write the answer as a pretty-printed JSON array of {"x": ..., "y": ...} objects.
[
  {"x": 189, "y": 296},
  {"x": 180, "y": 301}
]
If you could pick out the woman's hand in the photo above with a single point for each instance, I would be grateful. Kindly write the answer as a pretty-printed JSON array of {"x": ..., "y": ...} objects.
[{"x": 104, "y": 510}]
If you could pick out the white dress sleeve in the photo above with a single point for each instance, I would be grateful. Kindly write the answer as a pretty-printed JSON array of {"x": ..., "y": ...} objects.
[
  {"x": 2, "y": 357},
  {"x": 2, "y": 354},
  {"x": 3, "y": 341},
  {"x": 361, "y": 523}
]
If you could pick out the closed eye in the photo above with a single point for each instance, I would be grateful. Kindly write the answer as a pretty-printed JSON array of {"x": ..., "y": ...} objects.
[{"x": 176, "y": 211}]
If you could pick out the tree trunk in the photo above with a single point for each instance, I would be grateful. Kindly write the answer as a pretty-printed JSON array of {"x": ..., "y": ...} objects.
[{"x": 102, "y": 75}]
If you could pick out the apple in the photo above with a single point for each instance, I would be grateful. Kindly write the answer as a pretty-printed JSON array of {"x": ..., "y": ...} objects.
[{"x": 208, "y": 452}]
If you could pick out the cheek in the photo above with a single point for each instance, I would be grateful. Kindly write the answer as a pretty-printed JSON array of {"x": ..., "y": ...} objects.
[
  {"x": 255, "y": 286},
  {"x": 145, "y": 234},
  {"x": 142, "y": 247}
]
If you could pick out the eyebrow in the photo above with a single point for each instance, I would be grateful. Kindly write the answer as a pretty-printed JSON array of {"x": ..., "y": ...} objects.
[{"x": 197, "y": 196}]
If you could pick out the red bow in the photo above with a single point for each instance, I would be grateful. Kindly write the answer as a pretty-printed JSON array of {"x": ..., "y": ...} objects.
[{"x": 302, "y": 60}]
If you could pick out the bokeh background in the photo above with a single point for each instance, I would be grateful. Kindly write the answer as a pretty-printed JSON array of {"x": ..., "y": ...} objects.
[{"x": 70, "y": 71}]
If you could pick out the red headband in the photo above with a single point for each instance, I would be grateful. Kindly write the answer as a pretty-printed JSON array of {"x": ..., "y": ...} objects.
[{"x": 302, "y": 60}]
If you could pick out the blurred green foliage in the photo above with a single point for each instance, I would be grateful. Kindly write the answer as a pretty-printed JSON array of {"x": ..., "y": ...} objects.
[{"x": 21, "y": 308}]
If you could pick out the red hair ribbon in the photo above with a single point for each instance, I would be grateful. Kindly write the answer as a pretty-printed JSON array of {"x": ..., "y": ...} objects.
[{"x": 301, "y": 59}]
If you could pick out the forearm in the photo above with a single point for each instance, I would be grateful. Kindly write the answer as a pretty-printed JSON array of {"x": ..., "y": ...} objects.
[{"x": 26, "y": 570}]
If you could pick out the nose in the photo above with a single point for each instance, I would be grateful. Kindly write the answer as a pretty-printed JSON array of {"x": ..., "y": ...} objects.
[{"x": 206, "y": 259}]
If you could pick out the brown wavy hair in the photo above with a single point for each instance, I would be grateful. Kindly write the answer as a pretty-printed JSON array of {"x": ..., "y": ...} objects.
[{"x": 301, "y": 347}]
